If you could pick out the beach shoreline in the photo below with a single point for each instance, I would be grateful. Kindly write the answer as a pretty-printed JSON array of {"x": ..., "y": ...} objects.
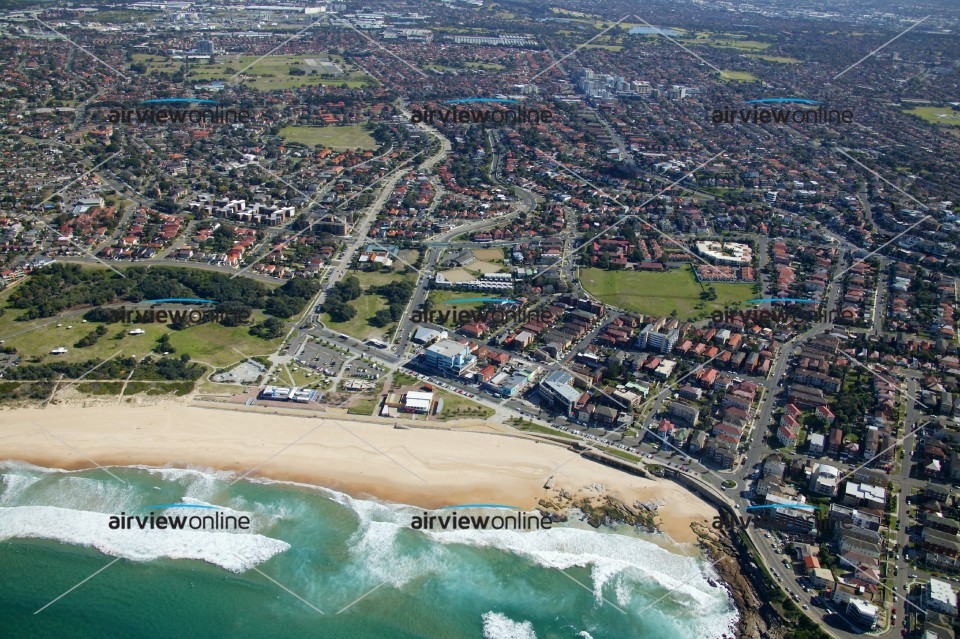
[{"x": 426, "y": 468}]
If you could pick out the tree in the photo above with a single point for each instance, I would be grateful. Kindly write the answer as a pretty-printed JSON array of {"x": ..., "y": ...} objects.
[
  {"x": 180, "y": 323},
  {"x": 351, "y": 287},
  {"x": 381, "y": 318},
  {"x": 91, "y": 338},
  {"x": 340, "y": 311},
  {"x": 270, "y": 328},
  {"x": 614, "y": 369},
  {"x": 232, "y": 312},
  {"x": 164, "y": 345},
  {"x": 283, "y": 306},
  {"x": 165, "y": 205}
]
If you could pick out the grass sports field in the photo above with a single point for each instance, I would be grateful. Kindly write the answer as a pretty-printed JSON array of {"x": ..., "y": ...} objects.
[
  {"x": 335, "y": 137},
  {"x": 936, "y": 115},
  {"x": 725, "y": 43},
  {"x": 443, "y": 303},
  {"x": 737, "y": 76},
  {"x": 774, "y": 58},
  {"x": 660, "y": 294},
  {"x": 265, "y": 74}
]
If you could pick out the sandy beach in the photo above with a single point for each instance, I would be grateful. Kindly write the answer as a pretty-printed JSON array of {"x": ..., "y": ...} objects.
[{"x": 427, "y": 468}]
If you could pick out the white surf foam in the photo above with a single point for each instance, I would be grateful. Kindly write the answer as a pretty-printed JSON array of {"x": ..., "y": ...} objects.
[
  {"x": 32, "y": 485},
  {"x": 375, "y": 546},
  {"x": 16, "y": 464},
  {"x": 608, "y": 555},
  {"x": 197, "y": 482},
  {"x": 236, "y": 552},
  {"x": 86, "y": 493},
  {"x": 625, "y": 569},
  {"x": 500, "y": 626},
  {"x": 171, "y": 473},
  {"x": 622, "y": 561},
  {"x": 14, "y": 487}
]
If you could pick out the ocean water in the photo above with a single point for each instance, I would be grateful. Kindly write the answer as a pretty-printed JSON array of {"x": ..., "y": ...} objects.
[{"x": 356, "y": 561}]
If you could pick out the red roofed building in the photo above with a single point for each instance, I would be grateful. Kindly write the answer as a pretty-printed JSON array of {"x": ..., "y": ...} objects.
[
  {"x": 475, "y": 330},
  {"x": 826, "y": 413},
  {"x": 786, "y": 436},
  {"x": 487, "y": 372}
]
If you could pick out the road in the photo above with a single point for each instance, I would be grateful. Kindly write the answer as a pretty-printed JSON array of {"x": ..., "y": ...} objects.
[
  {"x": 360, "y": 230},
  {"x": 362, "y": 227},
  {"x": 528, "y": 201},
  {"x": 337, "y": 270}
]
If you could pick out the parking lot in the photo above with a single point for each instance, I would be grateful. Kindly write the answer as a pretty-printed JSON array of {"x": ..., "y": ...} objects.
[
  {"x": 363, "y": 369},
  {"x": 321, "y": 359},
  {"x": 436, "y": 382}
]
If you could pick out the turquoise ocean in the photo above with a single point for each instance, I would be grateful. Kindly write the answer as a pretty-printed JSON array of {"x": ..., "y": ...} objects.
[{"x": 356, "y": 561}]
